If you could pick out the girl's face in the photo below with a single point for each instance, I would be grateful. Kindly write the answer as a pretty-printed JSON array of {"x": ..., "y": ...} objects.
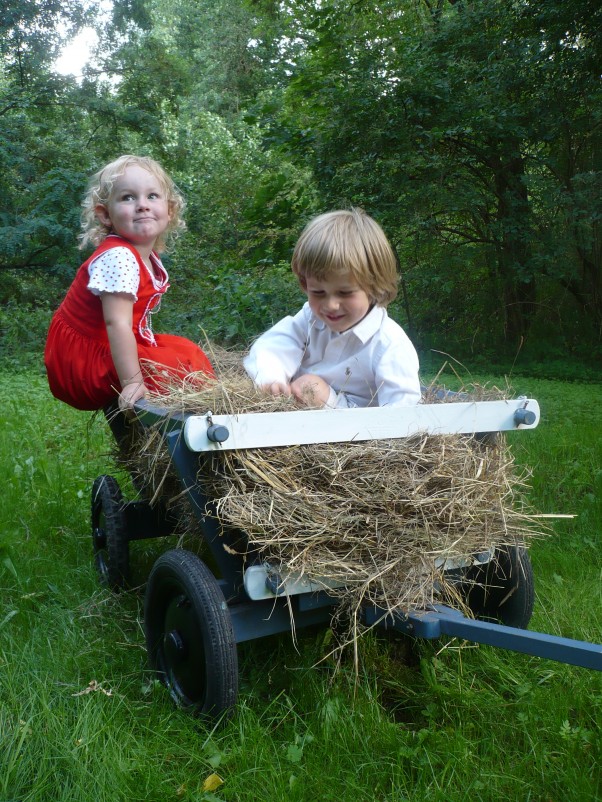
[
  {"x": 138, "y": 209},
  {"x": 338, "y": 302}
]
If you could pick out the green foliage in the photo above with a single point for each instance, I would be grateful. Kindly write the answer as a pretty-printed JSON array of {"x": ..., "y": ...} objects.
[
  {"x": 29, "y": 33},
  {"x": 428, "y": 121},
  {"x": 212, "y": 39},
  {"x": 470, "y": 131},
  {"x": 23, "y": 327},
  {"x": 217, "y": 178},
  {"x": 243, "y": 304},
  {"x": 231, "y": 303}
]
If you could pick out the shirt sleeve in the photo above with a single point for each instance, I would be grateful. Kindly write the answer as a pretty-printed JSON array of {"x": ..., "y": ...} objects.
[
  {"x": 115, "y": 270},
  {"x": 276, "y": 355},
  {"x": 396, "y": 372},
  {"x": 341, "y": 401}
]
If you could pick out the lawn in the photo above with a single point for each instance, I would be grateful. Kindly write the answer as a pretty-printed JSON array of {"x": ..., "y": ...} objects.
[{"x": 82, "y": 718}]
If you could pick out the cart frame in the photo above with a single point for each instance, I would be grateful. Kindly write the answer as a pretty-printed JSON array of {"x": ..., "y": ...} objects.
[{"x": 194, "y": 619}]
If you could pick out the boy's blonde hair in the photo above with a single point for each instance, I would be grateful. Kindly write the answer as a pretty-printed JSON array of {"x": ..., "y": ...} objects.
[
  {"x": 99, "y": 192},
  {"x": 347, "y": 242}
]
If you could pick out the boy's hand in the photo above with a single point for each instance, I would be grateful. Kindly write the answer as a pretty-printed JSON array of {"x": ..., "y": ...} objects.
[
  {"x": 277, "y": 388},
  {"x": 311, "y": 391}
]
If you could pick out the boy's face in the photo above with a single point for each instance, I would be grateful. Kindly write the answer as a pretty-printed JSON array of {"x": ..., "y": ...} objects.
[{"x": 338, "y": 302}]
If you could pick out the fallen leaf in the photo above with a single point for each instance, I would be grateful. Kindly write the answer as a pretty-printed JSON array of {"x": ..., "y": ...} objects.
[
  {"x": 93, "y": 686},
  {"x": 212, "y": 782}
]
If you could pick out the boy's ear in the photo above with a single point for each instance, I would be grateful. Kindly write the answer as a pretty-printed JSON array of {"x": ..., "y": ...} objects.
[
  {"x": 302, "y": 283},
  {"x": 100, "y": 210}
]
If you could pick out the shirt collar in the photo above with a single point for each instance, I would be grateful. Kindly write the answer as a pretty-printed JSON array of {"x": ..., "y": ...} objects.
[{"x": 366, "y": 328}]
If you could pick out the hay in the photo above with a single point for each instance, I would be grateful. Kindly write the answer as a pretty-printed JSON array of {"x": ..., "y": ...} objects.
[{"x": 377, "y": 520}]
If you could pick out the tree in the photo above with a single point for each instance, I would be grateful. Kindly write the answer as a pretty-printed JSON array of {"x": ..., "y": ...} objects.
[
  {"x": 53, "y": 134},
  {"x": 439, "y": 118},
  {"x": 31, "y": 98}
]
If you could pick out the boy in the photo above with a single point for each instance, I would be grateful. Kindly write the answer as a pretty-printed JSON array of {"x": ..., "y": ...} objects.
[{"x": 341, "y": 349}]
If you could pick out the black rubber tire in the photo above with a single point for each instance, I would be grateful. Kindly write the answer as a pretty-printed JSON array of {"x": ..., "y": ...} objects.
[
  {"x": 502, "y": 590},
  {"x": 189, "y": 635},
  {"x": 110, "y": 540}
]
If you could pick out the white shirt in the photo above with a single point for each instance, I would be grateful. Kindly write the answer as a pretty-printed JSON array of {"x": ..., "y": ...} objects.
[{"x": 372, "y": 364}]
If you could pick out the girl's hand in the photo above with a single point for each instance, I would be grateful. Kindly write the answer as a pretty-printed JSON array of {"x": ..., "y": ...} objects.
[
  {"x": 130, "y": 394},
  {"x": 311, "y": 391},
  {"x": 277, "y": 388}
]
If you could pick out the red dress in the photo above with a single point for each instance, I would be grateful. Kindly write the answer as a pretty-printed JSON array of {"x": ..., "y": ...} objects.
[{"x": 78, "y": 356}]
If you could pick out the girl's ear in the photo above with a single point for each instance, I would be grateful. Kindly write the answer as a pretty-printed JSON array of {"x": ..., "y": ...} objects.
[{"x": 100, "y": 210}]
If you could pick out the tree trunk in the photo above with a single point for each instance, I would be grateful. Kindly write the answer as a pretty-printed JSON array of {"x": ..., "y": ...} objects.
[{"x": 513, "y": 243}]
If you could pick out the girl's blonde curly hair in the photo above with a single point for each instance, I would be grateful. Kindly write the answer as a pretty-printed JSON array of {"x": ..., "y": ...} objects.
[{"x": 99, "y": 192}]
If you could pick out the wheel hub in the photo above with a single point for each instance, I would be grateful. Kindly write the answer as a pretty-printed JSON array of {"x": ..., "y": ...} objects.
[
  {"x": 175, "y": 646},
  {"x": 99, "y": 537}
]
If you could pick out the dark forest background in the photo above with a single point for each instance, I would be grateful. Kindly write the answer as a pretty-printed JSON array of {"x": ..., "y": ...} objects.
[{"x": 470, "y": 130}]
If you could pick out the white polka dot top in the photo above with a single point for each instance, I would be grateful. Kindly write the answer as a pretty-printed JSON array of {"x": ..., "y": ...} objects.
[{"x": 116, "y": 270}]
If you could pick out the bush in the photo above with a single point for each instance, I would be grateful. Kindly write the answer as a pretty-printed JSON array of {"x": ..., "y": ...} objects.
[
  {"x": 23, "y": 328},
  {"x": 230, "y": 304}
]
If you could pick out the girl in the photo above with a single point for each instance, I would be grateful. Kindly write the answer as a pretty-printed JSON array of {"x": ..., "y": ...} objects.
[
  {"x": 100, "y": 344},
  {"x": 341, "y": 349}
]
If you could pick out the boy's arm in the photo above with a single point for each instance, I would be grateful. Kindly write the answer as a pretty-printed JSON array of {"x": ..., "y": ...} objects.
[
  {"x": 396, "y": 376},
  {"x": 276, "y": 355}
]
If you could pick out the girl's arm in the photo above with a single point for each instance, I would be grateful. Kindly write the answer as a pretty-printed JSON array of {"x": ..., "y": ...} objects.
[{"x": 117, "y": 310}]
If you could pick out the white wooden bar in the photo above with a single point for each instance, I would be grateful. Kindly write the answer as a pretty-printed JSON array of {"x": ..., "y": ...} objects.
[
  {"x": 302, "y": 427},
  {"x": 292, "y": 584}
]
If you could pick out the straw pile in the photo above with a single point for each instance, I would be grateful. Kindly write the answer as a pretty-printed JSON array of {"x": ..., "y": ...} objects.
[{"x": 379, "y": 518}]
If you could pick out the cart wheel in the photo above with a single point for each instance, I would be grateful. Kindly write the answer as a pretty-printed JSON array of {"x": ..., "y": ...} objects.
[
  {"x": 189, "y": 634},
  {"x": 503, "y": 589},
  {"x": 109, "y": 534}
]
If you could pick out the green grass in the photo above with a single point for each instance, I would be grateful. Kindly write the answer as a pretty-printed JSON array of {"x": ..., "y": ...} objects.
[{"x": 81, "y": 717}]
